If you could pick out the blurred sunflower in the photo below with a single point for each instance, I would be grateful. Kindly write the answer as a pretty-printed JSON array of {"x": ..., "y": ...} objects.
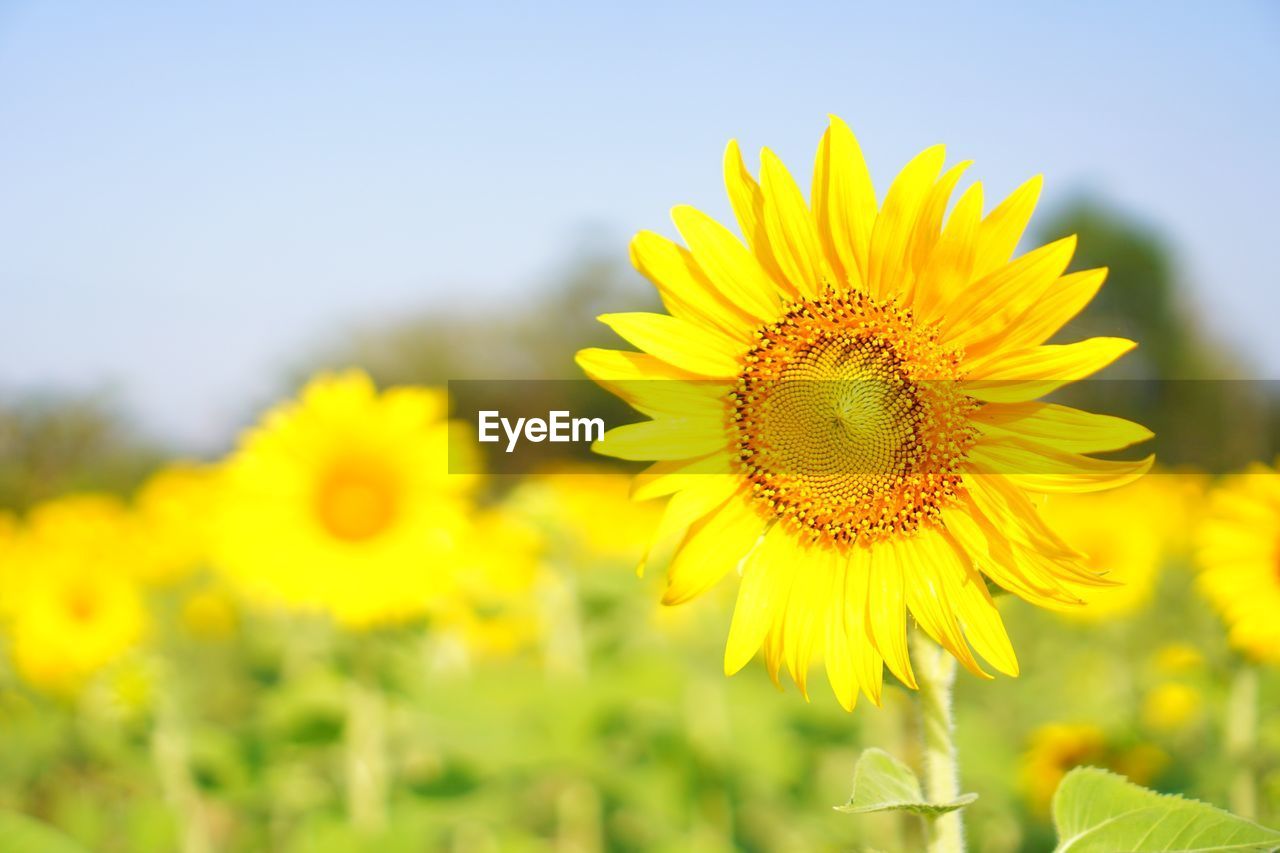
[
  {"x": 844, "y": 411},
  {"x": 8, "y": 530},
  {"x": 342, "y": 501},
  {"x": 70, "y": 591},
  {"x": 1125, "y": 535},
  {"x": 496, "y": 610},
  {"x": 1180, "y": 501},
  {"x": 1056, "y": 748},
  {"x": 591, "y": 507},
  {"x": 1238, "y": 549},
  {"x": 173, "y": 510},
  {"x": 1053, "y": 750},
  {"x": 1171, "y": 705},
  {"x": 210, "y": 614},
  {"x": 1178, "y": 659}
]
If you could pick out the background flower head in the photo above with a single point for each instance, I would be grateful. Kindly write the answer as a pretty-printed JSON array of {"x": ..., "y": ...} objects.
[
  {"x": 72, "y": 602},
  {"x": 1238, "y": 549},
  {"x": 342, "y": 501}
]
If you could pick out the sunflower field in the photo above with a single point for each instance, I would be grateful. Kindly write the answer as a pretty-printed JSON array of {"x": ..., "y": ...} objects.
[{"x": 918, "y": 519}]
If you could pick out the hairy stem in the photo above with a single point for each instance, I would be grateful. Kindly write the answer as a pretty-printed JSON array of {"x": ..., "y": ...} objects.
[{"x": 935, "y": 673}]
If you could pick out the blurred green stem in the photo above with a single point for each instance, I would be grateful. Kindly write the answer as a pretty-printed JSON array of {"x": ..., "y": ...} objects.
[
  {"x": 935, "y": 673},
  {"x": 169, "y": 752},
  {"x": 578, "y": 819},
  {"x": 563, "y": 651},
  {"x": 1242, "y": 739},
  {"x": 366, "y": 748}
]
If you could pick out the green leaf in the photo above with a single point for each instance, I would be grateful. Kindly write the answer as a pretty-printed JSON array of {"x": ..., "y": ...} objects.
[
  {"x": 1095, "y": 810},
  {"x": 24, "y": 834},
  {"x": 883, "y": 783}
]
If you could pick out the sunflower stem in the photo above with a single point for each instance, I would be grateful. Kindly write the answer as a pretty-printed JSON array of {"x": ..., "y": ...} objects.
[
  {"x": 1242, "y": 738},
  {"x": 366, "y": 758},
  {"x": 935, "y": 673},
  {"x": 169, "y": 753}
]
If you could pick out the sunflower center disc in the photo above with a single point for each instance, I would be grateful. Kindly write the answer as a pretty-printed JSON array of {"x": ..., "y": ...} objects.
[
  {"x": 355, "y": 504},
  {"x": 849, "y": 422}
]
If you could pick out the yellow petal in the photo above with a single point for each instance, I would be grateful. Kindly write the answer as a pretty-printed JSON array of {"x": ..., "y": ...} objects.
[
  {"x": 610, "y": 365},
  {"x": 927, "y": 598},
  {"x": 790, "y": 227},
  {"x": 997, "y": 504},
  {"x": 989, "y": 550},
  {"x": 868, "y": 666},
  {"x": 779, "y": 552},
  {"x": 652, "y": 386},
  {"x": 948, "y": 268},
  {"x": 844, "y": 203},
  {"x": 714, "y": 546},
  {"x": 686, "y": 345},
  {"x": 753, "y": 613},
  {"x": 1069, "y": 571},
  {"x": 1002, "y": 229},
  {"x": 989, "y": 304},
  {"x": 1008, "y": 509},
  {"x": 1045, "y": 469},
  {"x": 887, "y": 612},
  {"x": 1017, "y": 376},
  {"x": 734, "y": 270},
  {"x": 685, "y": 289},
  {"x": 929, "y": 224},
  {"x": 977, "y": 613},
  {"x": 665, "y": 438},
  {"x": 671, "y": 475},
  {"x": 1059, "y": 426},
  {"x": 888, "y": 263},
  {"x": 747, "y": 200},
  {"x": 1063, "y": 300},
  {"x": 806, "y": 608},
  {"x": 839, "y": 654},
  {"x": 683, "y": 510}
]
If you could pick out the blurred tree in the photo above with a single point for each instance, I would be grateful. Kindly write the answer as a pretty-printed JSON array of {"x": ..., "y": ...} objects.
[
  {"x": 1142, "y": 299},
  {"x": 51, "y": 445},
  {"x": 524, "y": 346},
  {"x": 529, "y": 337},
  {"x": 1179, "y": 382}
]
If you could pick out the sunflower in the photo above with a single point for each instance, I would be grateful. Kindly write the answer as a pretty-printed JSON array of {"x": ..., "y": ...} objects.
[
  {"x": 1239, "y": 552},
  {"x": 342, "y": 501},
  {"x": 496, "y": 611},
  {"x": 1052, "y": 750},
  {"x": 172, "y": 511},
  {"x": 844, "y": 411},
  {"x": 8, "y": 531},
  {"x": 72, "y": 599},
  {"x": 590, "y": 509},
  {"x": 1125, "y": 534},
  {"x": 1056, "y": 748},
  {"x": 1171, "y": 705}
]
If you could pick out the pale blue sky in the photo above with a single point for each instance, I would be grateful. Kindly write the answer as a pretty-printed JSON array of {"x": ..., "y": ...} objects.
[{"x": 191, "y": 196}]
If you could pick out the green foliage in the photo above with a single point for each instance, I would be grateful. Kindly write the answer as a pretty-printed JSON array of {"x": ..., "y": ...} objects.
[
  {"x": 531, "y": 337},
  {"x": 53, "y": 445},
  {"x": 1099, "y": 811},
  {"x": 883, "y": 783},
  {"x": 1142, "y": 298},
  {"x": 1178, "y": 382},
  {"x": 23, "y": 834}
]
